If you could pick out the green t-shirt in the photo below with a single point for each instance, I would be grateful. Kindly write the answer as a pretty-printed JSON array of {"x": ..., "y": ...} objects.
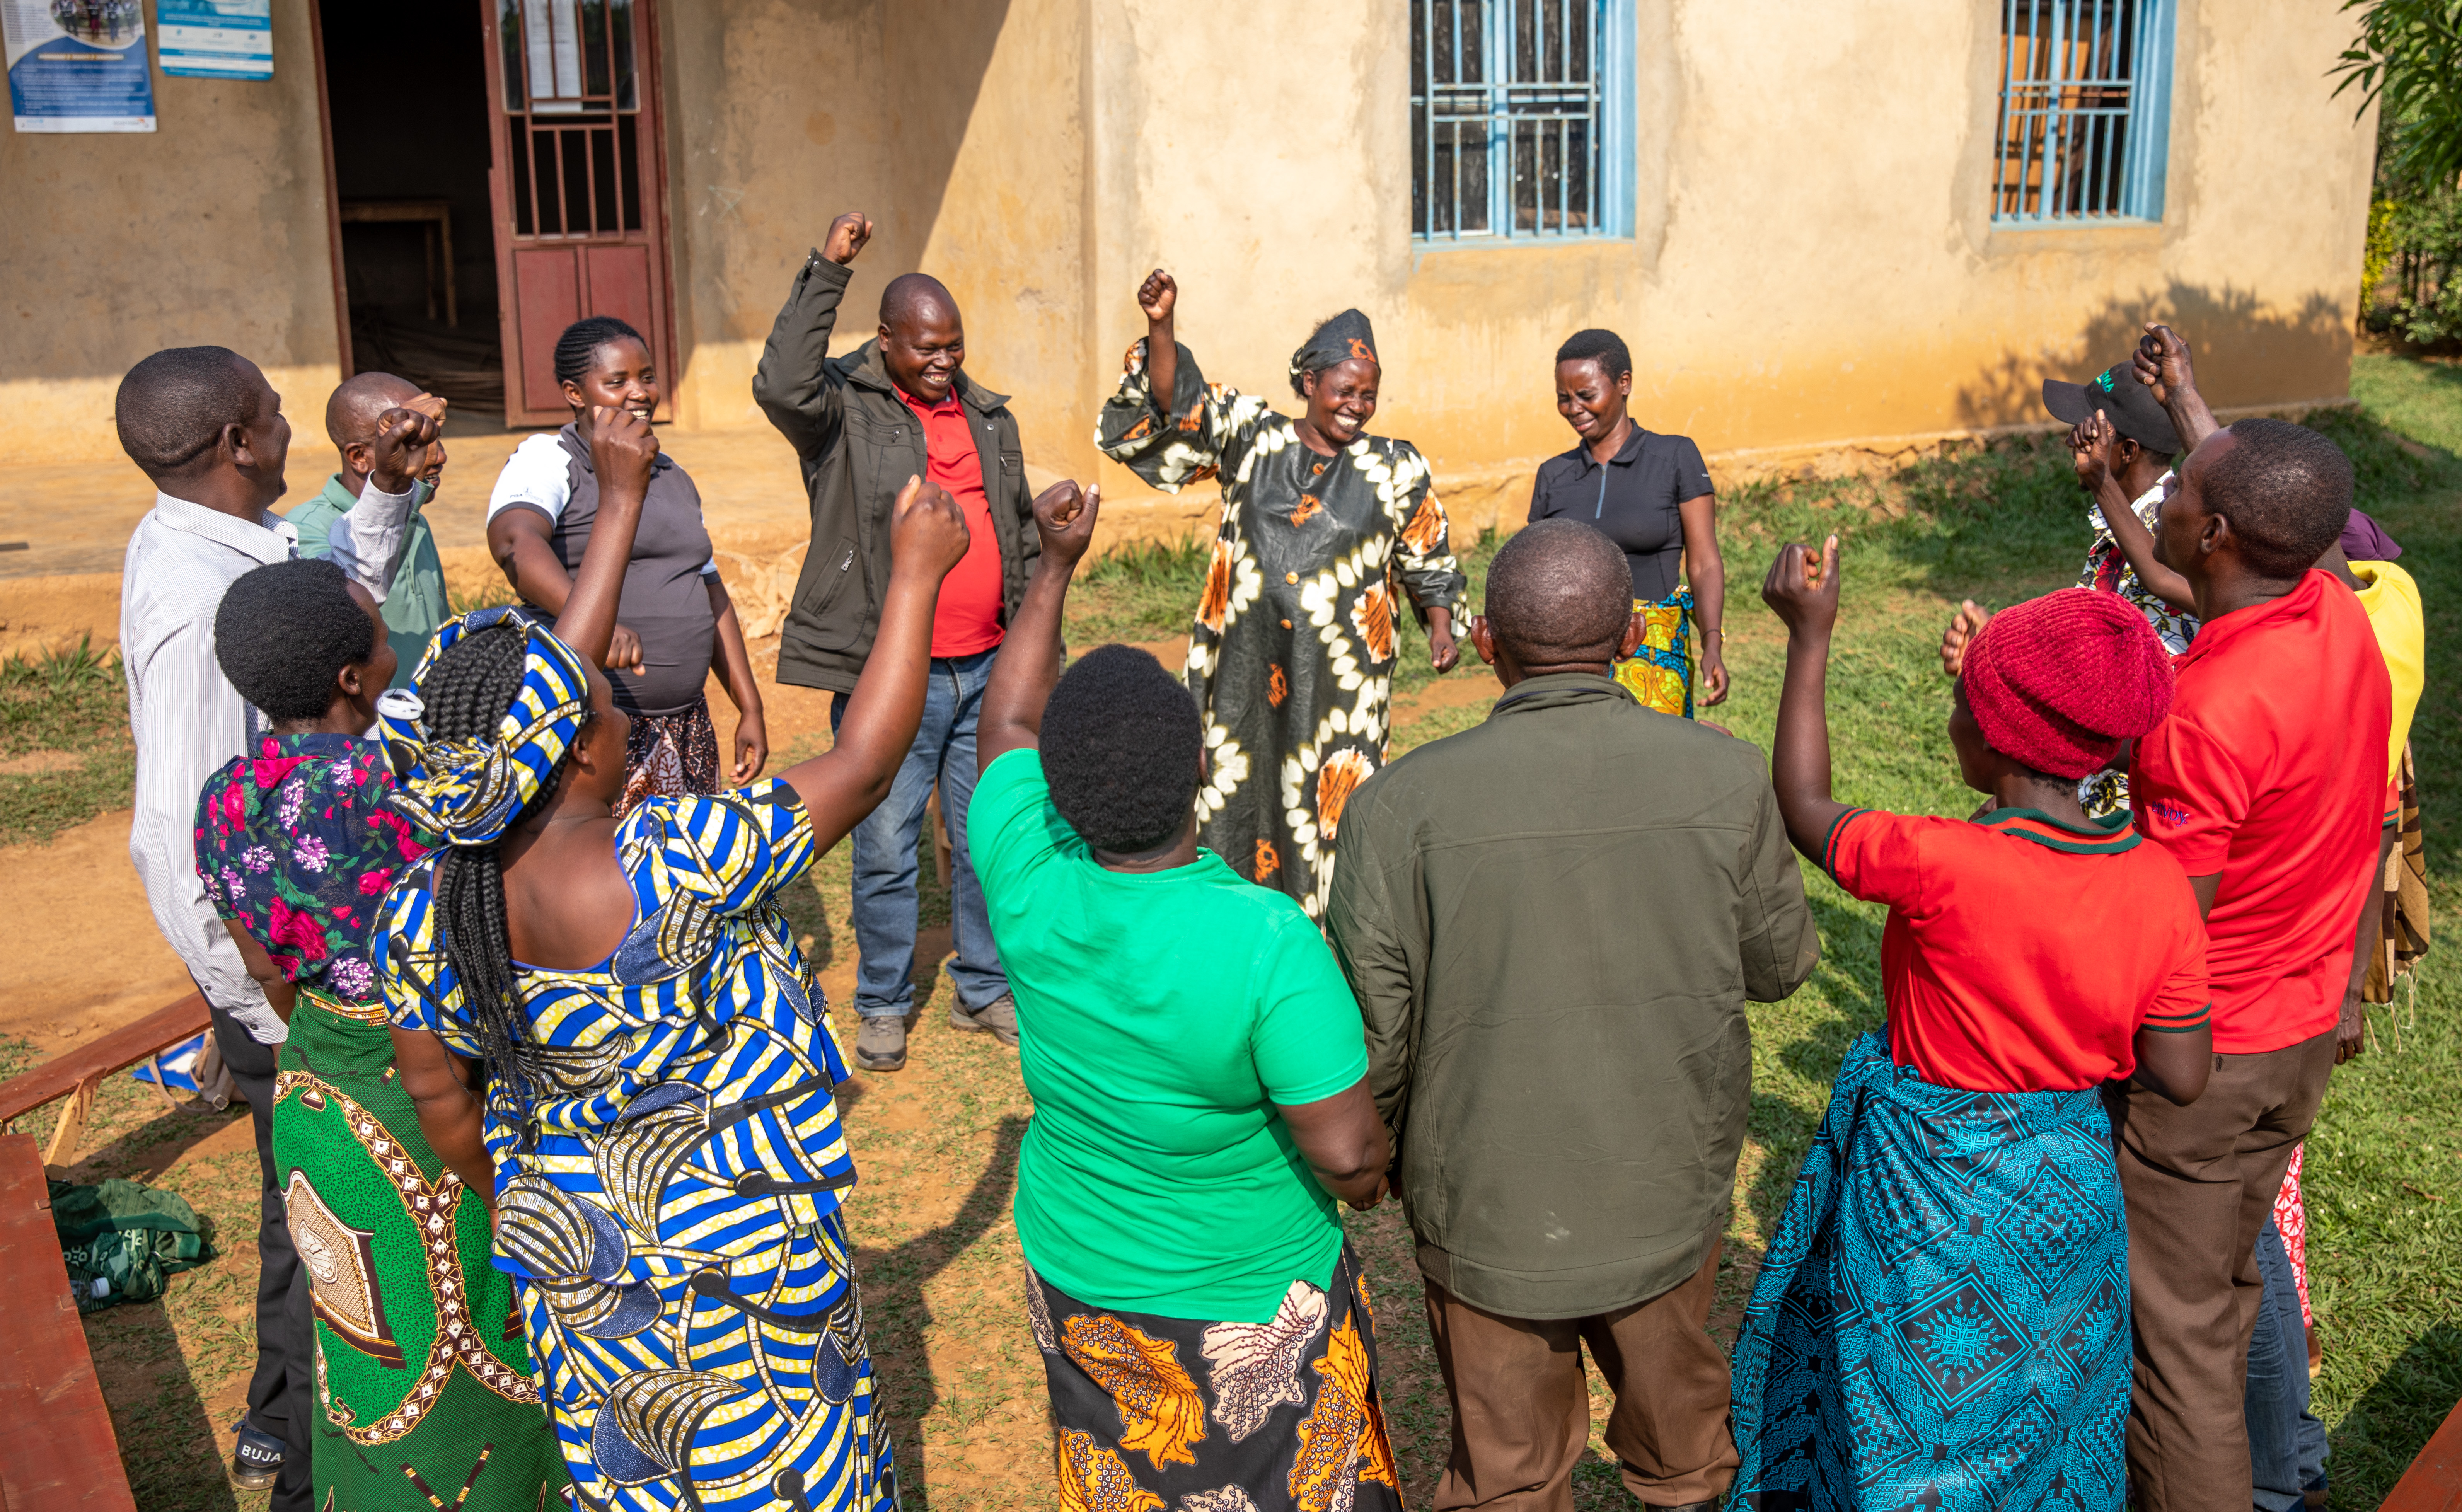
[
  {"x": 417, "y": 603},
  {"x": 1160, "y": 1016}
]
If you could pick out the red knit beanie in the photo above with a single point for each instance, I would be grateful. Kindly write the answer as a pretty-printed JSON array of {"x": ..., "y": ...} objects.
[{"x": 2059, "y": 681}]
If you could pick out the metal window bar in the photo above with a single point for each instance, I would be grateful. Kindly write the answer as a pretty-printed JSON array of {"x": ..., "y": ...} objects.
[
  {"x": 572, "y": 96},
  {"x": 1507, "y": 106},
  {"x": 2085, "y": 111}
]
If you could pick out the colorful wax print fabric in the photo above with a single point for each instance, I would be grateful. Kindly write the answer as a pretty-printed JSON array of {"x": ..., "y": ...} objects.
[
  {"x": 1292, "y": 655},
  {"x": 668, "y": 1198},
  {"x": 297, "y": 845},
  {"x": 423, "y": 1389},
  {"x": 1942, "y": 1317},
  {"x": 1659, "y": 672},
  {"x": 669, "y": 755},
  {"x": 2107, "y": 570},
  {"x": 1172, "y": 1414}
]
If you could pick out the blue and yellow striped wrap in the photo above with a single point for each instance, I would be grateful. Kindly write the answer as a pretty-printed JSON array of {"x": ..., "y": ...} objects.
[{"x": 470, "y": 790}]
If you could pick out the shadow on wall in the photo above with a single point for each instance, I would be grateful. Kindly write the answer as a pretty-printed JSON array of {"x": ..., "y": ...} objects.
[
  {"x": 2243, "y": 350},
  {"x": 761, "y": 193}
]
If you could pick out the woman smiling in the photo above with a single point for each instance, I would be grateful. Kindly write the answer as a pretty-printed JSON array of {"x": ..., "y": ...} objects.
[
  {"x": 1324, "y": 526},
  {"x": 1651, "y": 494},
  {"x": 678, "y": 621}
]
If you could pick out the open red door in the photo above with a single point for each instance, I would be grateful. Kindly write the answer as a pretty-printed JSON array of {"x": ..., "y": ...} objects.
[{"x": 580, "y": 202}]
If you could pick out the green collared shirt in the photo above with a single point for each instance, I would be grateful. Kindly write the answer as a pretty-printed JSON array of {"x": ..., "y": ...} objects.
[
  {"x": 417, "y": 603},
  {"x": 1552, "y": 922}
]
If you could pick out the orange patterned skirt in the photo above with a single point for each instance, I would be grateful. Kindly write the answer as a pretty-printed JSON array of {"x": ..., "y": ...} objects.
[{"x": 1153, "y": 1413}]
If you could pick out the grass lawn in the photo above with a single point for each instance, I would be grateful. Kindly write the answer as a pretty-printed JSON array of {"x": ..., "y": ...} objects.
[{"x": 962, "y": 1383}]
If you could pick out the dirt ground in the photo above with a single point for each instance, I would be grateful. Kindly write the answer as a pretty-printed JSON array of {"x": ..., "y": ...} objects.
[{"x": 937, "y": 1145}]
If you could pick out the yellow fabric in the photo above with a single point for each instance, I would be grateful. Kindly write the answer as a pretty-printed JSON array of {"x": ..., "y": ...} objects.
[{"x": 2392, "y": 603}]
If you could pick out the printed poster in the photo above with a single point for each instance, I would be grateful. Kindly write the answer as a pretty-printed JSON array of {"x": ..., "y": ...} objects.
[
  {"x": 77, "y": 65},
  {"x": 215, "y": 39}
]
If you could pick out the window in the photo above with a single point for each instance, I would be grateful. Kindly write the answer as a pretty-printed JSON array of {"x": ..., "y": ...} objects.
[
  {"x": 1520, "y": 115},
  {"x": 2086, "y": 111}
]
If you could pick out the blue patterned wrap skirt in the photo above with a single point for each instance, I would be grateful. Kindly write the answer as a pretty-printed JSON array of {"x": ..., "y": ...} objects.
[{"x": 1942, "y": 1318}]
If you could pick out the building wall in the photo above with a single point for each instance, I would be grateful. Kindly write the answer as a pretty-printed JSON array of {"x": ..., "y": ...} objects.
[
  {"x": 1813, "y": 262},
  {"x": 210, "y": 231},
  {"x": 955, "y": 126}
]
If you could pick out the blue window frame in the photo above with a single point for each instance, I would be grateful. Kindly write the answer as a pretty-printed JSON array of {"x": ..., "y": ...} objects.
[
  {"x": 1520, "y": 119},
  {"x": 2086, "y": 111}
]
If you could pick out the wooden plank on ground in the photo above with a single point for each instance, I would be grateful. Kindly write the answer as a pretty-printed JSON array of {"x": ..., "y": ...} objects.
[
  {"x": 2434, "y": 1483},
  {"x": 57, "y": 1453},
  {"x": 115, "y": 1051}
]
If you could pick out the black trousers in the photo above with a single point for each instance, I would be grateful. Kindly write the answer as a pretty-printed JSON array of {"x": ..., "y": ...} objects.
[{"x": 281, "y": 1395}]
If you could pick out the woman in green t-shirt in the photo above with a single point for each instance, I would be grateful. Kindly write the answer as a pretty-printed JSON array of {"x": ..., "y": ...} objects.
[{"x": 1199, "y": 1078}]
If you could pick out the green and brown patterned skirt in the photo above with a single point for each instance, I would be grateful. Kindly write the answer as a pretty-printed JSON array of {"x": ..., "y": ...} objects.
[
  {"x": 422, "y": 1372},
  {"x": 1171, "y": 1414}
]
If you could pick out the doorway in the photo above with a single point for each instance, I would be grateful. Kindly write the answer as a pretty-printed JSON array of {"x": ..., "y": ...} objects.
[
  {"x": 513, "y": 187},
  {"x": 406, "y": 118}
]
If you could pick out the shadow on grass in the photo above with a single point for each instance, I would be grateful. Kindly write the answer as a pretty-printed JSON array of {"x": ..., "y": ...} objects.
[
  {"x": 896, "y": 1316},
  {"x": 2385, "y": 1429},
  {"x": 166, "y": 1437}
]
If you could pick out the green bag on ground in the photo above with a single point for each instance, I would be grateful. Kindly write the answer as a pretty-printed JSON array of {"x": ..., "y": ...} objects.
[{"x": 123, "y": 1241}]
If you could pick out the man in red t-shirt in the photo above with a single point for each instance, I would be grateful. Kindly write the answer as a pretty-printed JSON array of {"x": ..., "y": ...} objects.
[
  {"x": 894, "y": 408},
  {"x": 2268, "y": 782}
]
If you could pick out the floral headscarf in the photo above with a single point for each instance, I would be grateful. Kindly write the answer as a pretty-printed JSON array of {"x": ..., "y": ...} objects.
[
  {"x": 1343, "y": 339},
  {"x": 470, "y": 790}
]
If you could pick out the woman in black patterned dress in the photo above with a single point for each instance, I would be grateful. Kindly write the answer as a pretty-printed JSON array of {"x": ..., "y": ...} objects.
[{"x": 1324, "y": 527}]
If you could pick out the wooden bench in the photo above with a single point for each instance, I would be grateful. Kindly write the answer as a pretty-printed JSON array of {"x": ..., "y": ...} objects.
[
  {"x": 2434, "y": 1483},
  {"x": 58, "y": 1452},
  {"x": 78, "y": 1074}
]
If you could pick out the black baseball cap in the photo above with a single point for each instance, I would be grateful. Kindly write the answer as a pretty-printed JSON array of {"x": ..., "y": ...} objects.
[{"x": 2128, "y": 404}]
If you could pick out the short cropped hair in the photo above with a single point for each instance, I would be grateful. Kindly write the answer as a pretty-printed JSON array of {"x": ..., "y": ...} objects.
[
  {"x": 2286, "y": 490},
  {"x": 1120, "y": 745},
  {"x": 1604, "y": 347},
  {"x": 1558, "y": 591},
  {"x": 173, "y": 405},
  {"x": 286, "y": 631}
]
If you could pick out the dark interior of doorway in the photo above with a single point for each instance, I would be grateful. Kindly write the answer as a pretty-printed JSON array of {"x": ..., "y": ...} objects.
[{"x": 405, "y": 90}]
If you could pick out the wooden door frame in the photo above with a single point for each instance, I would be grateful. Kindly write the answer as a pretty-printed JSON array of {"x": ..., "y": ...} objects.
[
  {"x": 342, "y": 355},
  {"x": 649, "y": 133}
]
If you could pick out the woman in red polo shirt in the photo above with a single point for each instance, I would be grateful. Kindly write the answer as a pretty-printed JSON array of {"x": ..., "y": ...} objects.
[{"x": 1946, "y": 1300}]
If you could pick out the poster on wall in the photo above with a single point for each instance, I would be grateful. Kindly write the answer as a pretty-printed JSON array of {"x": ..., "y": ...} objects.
[
  {"x": 77, "y": 65},
  {"x": 215, "y": 39}
]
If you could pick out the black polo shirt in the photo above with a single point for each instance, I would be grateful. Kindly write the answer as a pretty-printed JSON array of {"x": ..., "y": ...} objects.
[{"x": 1633, "y": 499}]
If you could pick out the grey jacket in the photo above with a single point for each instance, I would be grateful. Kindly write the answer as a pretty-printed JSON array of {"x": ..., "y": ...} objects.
[
  {"x": 1552, "y": 922},
  {"x": 858, "y": 443}
]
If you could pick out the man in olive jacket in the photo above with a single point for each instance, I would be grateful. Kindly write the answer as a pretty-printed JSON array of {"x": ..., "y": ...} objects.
[
  {"x": 1552, "y": 922},
  {"x": 899, "y": 408}
]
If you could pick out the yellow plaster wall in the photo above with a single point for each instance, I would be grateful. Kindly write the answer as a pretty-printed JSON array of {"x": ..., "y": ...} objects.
[
  {"x": 210, "y": 231},
  {"x": 955, "y": 126},
  {"x": 1814, "y": 262}
]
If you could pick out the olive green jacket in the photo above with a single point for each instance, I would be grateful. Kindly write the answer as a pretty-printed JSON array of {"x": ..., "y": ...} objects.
[
  {"x": 858, "y": 444},
  {"x": 1552, "y": 922}
]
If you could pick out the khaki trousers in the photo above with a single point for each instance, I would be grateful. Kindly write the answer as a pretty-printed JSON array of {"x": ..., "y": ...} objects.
[
  {"x": 2199, "y": 1184},
  {"x": 1522, "y": 1404}
]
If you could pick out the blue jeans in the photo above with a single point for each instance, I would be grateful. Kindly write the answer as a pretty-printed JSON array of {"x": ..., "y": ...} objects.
[
  {"x": 2286, "y": 1443},
  {"x": 884, "y": 851}
]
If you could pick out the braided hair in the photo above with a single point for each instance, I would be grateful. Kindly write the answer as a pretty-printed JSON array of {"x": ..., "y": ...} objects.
[
  {"x": 466, "y": 694},
  {"x": 578, "y": 347}
]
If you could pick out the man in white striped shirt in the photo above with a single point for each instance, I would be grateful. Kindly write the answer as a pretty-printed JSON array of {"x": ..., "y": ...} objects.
[{"x": 204, "y": 426}]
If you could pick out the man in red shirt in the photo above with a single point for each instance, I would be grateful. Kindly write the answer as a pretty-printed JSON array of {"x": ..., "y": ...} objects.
[
  {"x": 2268, "y": 782},
  {"x": 897, "y": 407}
]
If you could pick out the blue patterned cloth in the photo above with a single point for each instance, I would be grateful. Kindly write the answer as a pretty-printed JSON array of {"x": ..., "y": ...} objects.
[
  {"x": 1942, "y": 1319},
  {"x": 672, "y": 1219}
]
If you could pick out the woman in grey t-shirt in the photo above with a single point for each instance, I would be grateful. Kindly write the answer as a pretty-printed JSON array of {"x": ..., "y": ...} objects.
[
  {"x": 678, "y": 624},
  {"x": 1651, "y": 494}
]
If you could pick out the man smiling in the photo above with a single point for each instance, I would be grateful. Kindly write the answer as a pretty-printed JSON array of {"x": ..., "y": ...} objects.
[{"x": 899, "y": 406}]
